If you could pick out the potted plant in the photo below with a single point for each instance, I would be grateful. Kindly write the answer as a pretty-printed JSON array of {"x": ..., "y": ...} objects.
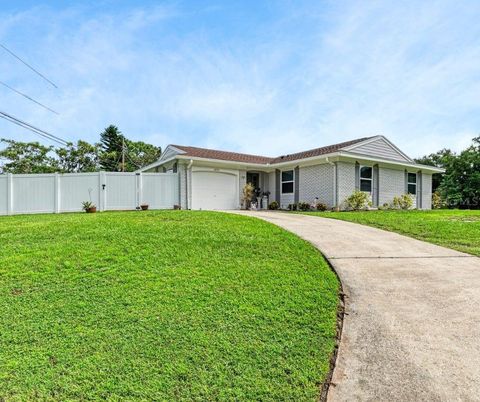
[
  {"x": 89, "y": 207},
  {"x": 258, "y": 197},
  {"x": 265, "y": 196},
  {"x": 144, "y": 207}
]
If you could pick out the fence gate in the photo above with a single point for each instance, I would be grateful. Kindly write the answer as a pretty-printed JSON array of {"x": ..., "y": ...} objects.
[{"x": 54, "y": 193}]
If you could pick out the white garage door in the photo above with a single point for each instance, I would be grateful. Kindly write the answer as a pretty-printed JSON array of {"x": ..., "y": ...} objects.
[{"x": 214, "y": 190}]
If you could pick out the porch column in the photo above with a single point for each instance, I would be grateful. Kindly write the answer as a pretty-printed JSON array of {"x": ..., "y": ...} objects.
[{"x": 277, "y": 185}]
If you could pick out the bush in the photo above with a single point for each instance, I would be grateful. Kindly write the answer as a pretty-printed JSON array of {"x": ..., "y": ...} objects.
[
  {"x": 247, "y": 195},
  {"x": 273, "y": 205},
  {"x": 357, "y": 201},
  {"x": 303, "y": 206},
  {"x": 437, "y": 201},
  {"x": 405, "y": 201},
  {"x": 385, "y": 206},
  {"x": 321, "y": 206},
  {"x": 292, "y": 207}
]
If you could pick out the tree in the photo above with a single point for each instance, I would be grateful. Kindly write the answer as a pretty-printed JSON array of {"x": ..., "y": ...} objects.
[
  {"x": 460, "y": 185},
  {"x": 140, "y": 154},
  {"x": 136, "y": 154},
  {"x": 111, "y": 140},
  {"x": 27, "y": 157},
  {"x": 439, "y": 159},
  {"x": 83, "y": 157}
]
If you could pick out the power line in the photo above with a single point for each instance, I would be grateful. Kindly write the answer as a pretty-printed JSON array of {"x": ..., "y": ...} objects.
[
  {"x": 34, "y": 129},
  {"x": 28, "y": 65},
  {"x": 28, "y": 97}
]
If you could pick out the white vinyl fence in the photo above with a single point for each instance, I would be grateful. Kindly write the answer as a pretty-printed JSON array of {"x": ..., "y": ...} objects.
[{"x": 55, "y": 193}]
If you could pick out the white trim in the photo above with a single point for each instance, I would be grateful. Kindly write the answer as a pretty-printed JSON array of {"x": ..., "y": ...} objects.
[
  {"x": 365, "y": 178},
  {"x": 411, "y": 183},
  {"x": 267, "y": 167},
  {"x": 287, "y": 181}
]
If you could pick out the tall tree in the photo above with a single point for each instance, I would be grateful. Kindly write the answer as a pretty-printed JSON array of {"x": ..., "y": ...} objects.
[
  {"x": 116, "y": 150},
  {"x": 82, "y": 157},
  {"x": 27, "y": 157},
  {"x": 111, "y": 140}
]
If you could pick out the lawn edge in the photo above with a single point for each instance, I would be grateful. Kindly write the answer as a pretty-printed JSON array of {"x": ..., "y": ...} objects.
[
  {"x": 341, "y": 309},
  {"x": 384, "y": 229}
]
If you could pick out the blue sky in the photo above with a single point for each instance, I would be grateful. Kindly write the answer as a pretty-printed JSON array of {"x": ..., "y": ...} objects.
[{"x": 269, "y": 77}]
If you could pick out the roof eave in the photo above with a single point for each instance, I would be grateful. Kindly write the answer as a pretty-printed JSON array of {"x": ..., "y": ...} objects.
[{"x": 428, "y": 168}]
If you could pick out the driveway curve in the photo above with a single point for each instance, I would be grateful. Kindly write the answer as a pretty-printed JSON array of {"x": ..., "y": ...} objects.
[{"x": 412, "y": 326}]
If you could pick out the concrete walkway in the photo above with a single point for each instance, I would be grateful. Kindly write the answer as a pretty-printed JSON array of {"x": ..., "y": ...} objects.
[{"x": 412, "y": 332}]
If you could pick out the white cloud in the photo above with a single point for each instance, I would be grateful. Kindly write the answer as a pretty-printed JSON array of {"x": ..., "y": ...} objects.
[{"x": 317, "y": 75}]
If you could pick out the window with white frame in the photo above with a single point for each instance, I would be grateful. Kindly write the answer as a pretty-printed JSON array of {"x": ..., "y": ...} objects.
[
  {"x": 366, "y": 178},
  {"x": 412, "y": 183},
  {"x": 287, "y": 182}
]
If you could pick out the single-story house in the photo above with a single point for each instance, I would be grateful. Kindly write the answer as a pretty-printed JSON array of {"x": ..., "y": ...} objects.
[{"x": 211, "y": 179}]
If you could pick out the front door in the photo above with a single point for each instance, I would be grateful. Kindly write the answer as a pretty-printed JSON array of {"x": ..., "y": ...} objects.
[{"x": 254, "y": 179}]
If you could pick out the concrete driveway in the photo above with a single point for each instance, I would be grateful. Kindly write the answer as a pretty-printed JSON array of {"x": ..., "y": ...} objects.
[{"x": 412, "y": 329}]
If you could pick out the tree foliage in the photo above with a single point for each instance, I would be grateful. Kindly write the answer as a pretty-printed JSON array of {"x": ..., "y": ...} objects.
[
  {"x": 26, "y": 157},
  {"x": 84, "y": 157},
  {"x": 33, "y": 157},
  {"x": 460, "y": 185},
  {"x": 136, "y": 153}
]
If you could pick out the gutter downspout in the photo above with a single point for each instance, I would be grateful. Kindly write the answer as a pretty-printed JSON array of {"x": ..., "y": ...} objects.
[{"x": 188, "y": 183}]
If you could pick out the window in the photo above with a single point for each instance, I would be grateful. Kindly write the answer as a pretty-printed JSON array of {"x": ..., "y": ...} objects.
[
  {"x": 366, "y": 176},
  {"x": 287, "y": 182},
  {"x": 412, "y": 183}
]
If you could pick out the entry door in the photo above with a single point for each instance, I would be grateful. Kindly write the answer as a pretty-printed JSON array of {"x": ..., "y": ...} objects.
[{"x": 254, "y": 178}]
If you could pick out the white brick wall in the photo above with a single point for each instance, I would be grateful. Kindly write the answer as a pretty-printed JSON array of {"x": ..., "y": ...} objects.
[
  {"x": 391, "y": 184},
  {"x": 317, "y": 181},
  {"x": 345, "y": 180},
  {"x": 426, "y": 191}
]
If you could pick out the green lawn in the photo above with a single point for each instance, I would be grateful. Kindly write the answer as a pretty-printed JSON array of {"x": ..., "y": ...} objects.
[
  {"x": 161, "y": 306},
  {"x": 457, "y": 229}
]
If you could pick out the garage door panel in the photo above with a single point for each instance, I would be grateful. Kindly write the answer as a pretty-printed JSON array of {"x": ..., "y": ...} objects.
[{"x": 214, "y": 190}]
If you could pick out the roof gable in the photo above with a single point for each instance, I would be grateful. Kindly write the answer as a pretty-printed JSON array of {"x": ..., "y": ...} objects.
[{"x": 379, "y": 147}]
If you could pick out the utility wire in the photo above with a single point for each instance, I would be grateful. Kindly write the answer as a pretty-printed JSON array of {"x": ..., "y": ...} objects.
[
  {"x": 28, "y": 97},
  {"x": 28, "y": 65},
  {"x": 34, "y": 129}
]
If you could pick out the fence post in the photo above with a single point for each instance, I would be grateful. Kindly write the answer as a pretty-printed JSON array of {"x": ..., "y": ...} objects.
[
  {"x": 9, "y": 194},
  {"x": 57, "y": 193},
  {"x": 102, "y": 191},
  {"x": 139, "y": 189}
]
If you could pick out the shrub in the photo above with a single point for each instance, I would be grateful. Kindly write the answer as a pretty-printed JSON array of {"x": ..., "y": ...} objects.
[
  {"x": 357, "y": 201},
  {"x": 405, "y": 201},
  {"x": 247, "y": 195},
  {"x": 292, "y": 207},
  {"x": 303, "y": 206},
  {"x": 385, "y": 206},
  {"x": 437, "y": 201},
  {"x": 321, "y": 206},
  {"x": 273, "y": 205}
]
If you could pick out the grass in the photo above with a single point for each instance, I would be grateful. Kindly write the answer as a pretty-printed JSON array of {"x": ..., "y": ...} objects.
[
  {"x": 456, "y": 229},
  {"x": 161, "y": 306}
]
